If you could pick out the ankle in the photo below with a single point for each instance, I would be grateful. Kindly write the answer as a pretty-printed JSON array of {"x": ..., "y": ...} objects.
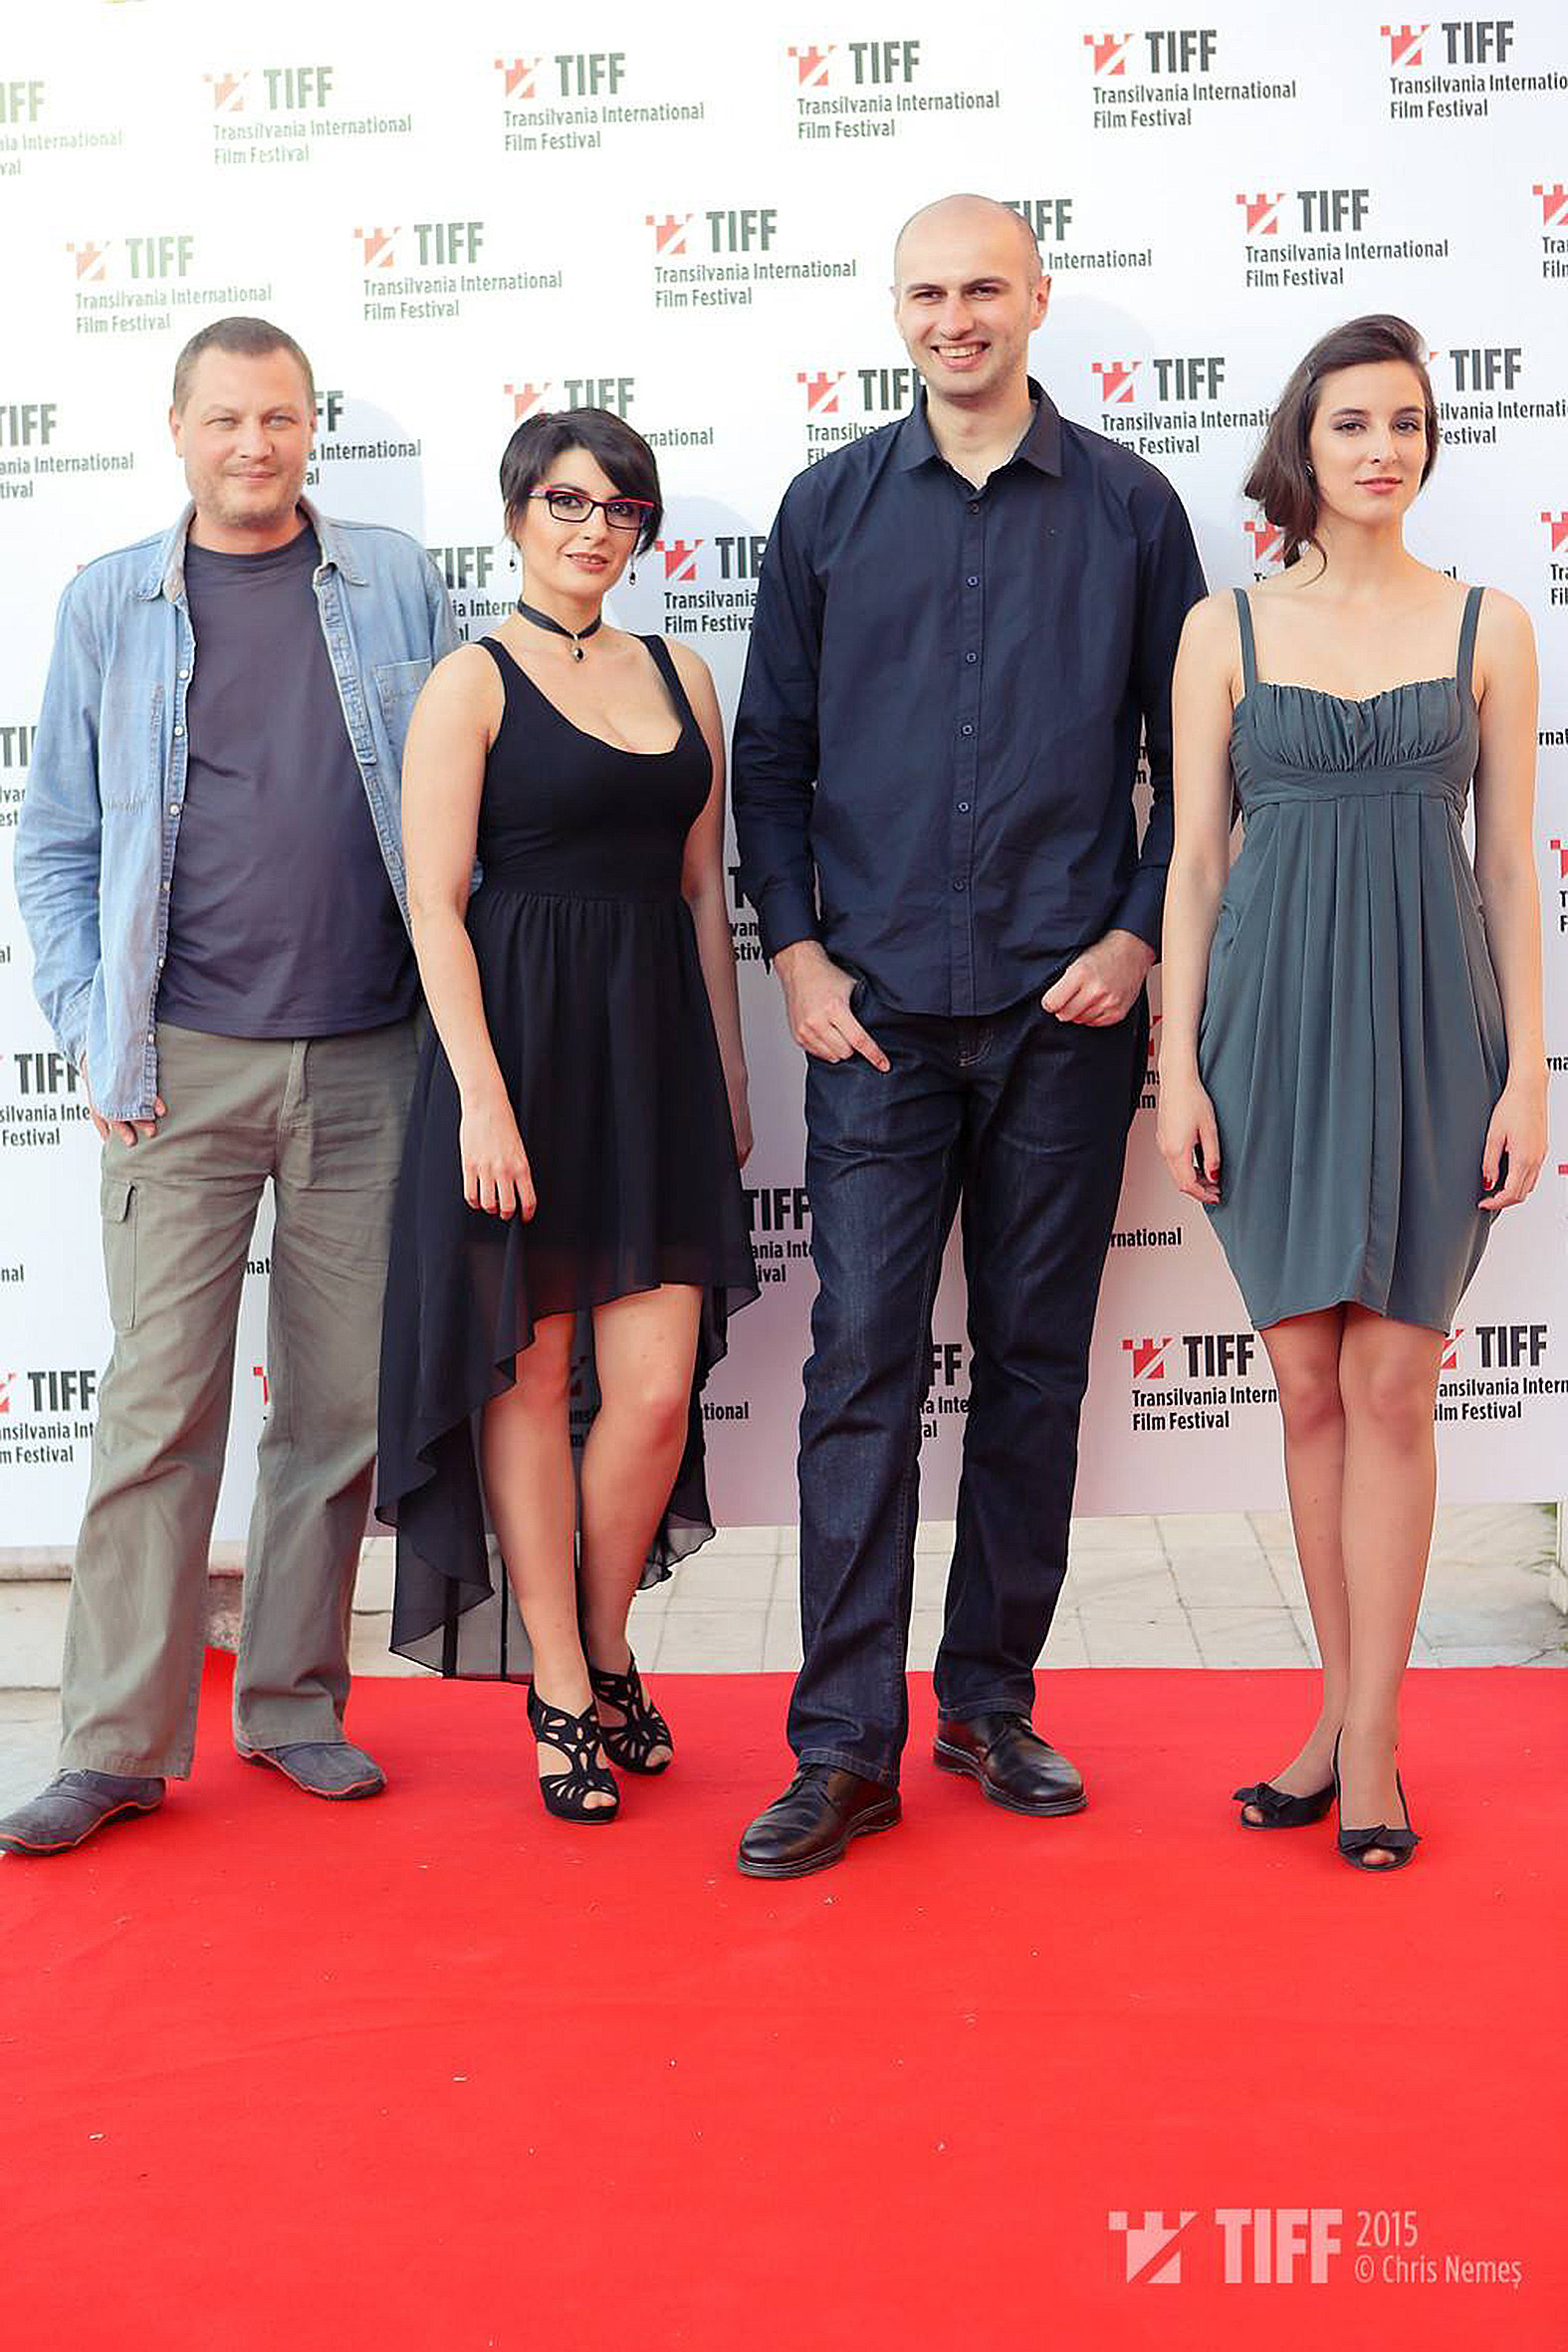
[{"x": 606, "y": 1647}]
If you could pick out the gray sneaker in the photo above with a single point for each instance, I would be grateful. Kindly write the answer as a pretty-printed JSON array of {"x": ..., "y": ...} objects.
[
  {"x": 323, "y": 1767},
  {"x": 71, "y": 1807}
]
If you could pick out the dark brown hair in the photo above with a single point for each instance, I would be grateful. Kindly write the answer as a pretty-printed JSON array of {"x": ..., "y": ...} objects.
[
  {"x": 1281, "y": 479},
  {"x": 616, "y": 447},
  {"x": 252, "y": 338}
]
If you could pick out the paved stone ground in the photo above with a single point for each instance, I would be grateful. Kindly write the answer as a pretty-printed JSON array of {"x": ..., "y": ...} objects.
[{"x": 1221, "y": 1592}]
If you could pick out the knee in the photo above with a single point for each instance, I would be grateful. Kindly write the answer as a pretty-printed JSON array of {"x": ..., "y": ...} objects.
[
  {"x": 1310, "y": 1399},
  {"x": 658, "y": 1404},
  {"x": 1385, "y": 1399},
  {"x": 542, "y": 1375}
]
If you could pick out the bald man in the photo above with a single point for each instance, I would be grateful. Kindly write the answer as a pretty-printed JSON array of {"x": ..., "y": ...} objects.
[{"x": 966, "y": 623}]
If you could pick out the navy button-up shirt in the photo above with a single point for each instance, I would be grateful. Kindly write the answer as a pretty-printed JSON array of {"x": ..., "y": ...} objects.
[{"x": 938, "y": 733}]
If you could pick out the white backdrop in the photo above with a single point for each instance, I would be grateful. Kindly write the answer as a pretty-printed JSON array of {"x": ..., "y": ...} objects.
[{"x": 691, "y": 220}]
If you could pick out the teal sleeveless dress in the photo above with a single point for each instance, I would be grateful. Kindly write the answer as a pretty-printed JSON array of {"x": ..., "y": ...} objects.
[{"x": 1352, "y": 1037}]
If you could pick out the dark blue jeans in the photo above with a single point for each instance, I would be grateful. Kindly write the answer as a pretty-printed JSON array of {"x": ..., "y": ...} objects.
[{"x": 1023, "y": 1119}]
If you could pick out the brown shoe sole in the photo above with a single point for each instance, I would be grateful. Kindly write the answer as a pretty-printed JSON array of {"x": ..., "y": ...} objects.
[
  {"x": 958, "y": 1760},
  {"x": 886, "y": 1816}
]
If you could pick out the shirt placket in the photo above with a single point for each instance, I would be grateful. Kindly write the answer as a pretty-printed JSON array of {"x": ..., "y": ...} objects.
[
  {"x": 175, "y": 779},
  {"x": 966, "y": 755}
]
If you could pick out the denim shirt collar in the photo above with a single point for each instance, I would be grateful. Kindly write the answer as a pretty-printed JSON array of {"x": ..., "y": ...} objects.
[
  {"x": 1040, "y": 446},
  {"x": 165, "y": 575}
]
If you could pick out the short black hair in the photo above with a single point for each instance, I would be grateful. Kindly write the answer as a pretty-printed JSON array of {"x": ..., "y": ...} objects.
[
  {"x": 252, "y": 338},
  {"x": 616, "y": 447}
]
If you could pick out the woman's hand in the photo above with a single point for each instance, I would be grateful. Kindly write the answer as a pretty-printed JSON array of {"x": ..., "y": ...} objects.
[
  {"x": 1517, "y": 1132},
  {"x": 741, "y": 1120},
  {"x": 1188, "y": 1135},
  {"x": 496, "y": 1173}
]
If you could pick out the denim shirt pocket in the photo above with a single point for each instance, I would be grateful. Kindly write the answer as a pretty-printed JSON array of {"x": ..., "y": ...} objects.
[
  {"x": 132, "y": 780},
  {"x": 397, "y": 685}
]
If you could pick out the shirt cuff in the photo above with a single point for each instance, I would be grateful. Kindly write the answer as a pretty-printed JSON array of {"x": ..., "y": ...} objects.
[
  {"x": 1142, "y": 910},
  {"x": 785, "y": 913}
]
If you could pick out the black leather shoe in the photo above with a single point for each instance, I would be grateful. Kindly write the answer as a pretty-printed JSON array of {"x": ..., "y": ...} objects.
[
  {"x": 1014, "y": 1766},
  {"x": 811, "y": 1824}
]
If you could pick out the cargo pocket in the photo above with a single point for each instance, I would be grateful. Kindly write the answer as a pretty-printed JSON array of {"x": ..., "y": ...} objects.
[{"x": 120, "y": 1251}]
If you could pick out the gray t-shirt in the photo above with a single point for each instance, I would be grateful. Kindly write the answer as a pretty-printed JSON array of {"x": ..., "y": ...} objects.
[{"x": 283, "y": 922}]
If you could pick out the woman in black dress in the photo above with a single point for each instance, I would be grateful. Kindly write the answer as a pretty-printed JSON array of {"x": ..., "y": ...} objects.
[{"x": 571, "y": 1232}]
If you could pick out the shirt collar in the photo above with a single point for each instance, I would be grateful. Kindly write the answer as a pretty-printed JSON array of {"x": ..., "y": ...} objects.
[
  {"x": 166, "y": 575},
  {"x": 1040, "y": 446}
]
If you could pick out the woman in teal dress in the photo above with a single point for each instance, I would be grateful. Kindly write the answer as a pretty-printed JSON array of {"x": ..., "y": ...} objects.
[{"x": 1352, "y": 1073}]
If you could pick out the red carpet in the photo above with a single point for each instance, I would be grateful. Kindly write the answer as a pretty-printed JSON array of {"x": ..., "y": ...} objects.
[{"x": 438, "y": 2072}]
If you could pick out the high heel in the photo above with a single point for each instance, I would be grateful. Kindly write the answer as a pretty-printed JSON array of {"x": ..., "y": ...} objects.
[
  {"x": 577, "y": 1737},
  {"x": 1282, "y": 1811},
  {"x": 631, "y": 1743},
  {"x": 1356, "y": 1845}
]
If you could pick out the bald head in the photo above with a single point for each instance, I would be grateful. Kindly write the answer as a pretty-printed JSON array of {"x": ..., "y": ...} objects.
[{"x": 963, "y": 223}]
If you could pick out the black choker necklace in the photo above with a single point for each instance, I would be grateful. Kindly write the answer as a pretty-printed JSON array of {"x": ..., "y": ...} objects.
[{"x": 544, "y": 621}]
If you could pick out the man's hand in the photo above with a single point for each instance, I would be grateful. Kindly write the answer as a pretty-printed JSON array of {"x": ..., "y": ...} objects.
[
  {"x": 1099, "y": 987},
  {"x": 816, "y": 1000},
  {"x": 127, "y": 1130}
]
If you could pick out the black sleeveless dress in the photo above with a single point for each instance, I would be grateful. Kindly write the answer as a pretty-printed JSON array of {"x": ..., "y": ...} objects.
[{"x": 600, "y": 1017}]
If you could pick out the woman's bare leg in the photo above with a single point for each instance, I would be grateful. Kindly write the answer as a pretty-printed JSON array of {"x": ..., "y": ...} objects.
[
  {"x": 644, "y": 1348},
  {"x": 1304, "y": 1353},
  {"x": 1389, "y": 1379},
  {"x": 525, "y": 1458}
]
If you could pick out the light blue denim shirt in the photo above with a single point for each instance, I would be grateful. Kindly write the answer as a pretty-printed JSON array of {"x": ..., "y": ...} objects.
[{"x": 95, "y": 841}]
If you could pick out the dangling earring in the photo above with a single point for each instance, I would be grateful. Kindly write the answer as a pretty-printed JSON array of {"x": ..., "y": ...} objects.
[
  {"x": 633, "y": 576},
  {"x": 512, "y": 554}
]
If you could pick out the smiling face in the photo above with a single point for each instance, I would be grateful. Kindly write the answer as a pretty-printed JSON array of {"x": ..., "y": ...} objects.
[
  {"x": 1368, "y": 440},
  {"x": 244, "y": 437},
  {"x": 574, "y": 559},
  {"x": 966, "y": 296}
]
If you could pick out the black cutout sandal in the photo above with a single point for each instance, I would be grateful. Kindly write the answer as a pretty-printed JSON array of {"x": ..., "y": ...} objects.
[
  {"x": 630, "y": 1744},
  {"x": 1282, "y": 1811},
  {"x": 1356, "y": 1845},
  {"x": 578, "y": 1738}
]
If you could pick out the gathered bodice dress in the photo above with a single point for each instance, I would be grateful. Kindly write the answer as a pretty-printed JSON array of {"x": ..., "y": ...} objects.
[
  {"x": 1352, "y": 1037},
  {"x": 598, "y": 1013}
]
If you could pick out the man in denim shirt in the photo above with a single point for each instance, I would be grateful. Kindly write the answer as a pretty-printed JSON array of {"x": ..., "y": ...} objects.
[{"x": 209, "y": 868}]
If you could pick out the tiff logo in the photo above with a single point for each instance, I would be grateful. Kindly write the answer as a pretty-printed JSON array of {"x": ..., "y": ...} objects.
[
  {"x": 1554, "y": 204},
  {"x": 441, "y": 243},
  {"x": 21, "y": 102},
  {"x": 517, "y": 75},
  {"x": 811, "y": 66},
  {"x": 165, "y": 256},
  {"x": 669, "y": 234},
  {"x": 822, "y": 392},
  {"x": 1324, "y": 211},
  {"x": 680, "y": 557},
  {"x": 1109, "y": 52},
  {"x": 1146, "y": 2246},
  {"x": 527, "y": 399},
  {"x": 1269, "y": 540},
  {"x": 1148, "y": 1359},
  {"x": 1557, "y": 528}
]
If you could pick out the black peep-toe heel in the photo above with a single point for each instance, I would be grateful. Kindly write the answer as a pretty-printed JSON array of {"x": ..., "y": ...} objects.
[{"x": 579, "y": 1738}]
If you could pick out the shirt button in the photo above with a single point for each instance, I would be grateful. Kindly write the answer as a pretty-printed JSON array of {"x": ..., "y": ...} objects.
[
  {"x": 183, "y": 675},
  {"x": 973, "y": 580},
  {"x": 972, "y": 657},
  {"x": 962, "y": 808},
  {"x": 974, "y": 506},
  {"x": 958, "y": 883},
  {"x": 179, "y": 730},
  {"x": 966, "y": 729}
]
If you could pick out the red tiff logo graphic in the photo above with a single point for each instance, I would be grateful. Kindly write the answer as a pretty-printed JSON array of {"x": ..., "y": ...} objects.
[
  {"x": 91, "y": 262},
  {"x": 259, "y": 1372},
  {"x": 6, "y": 1379},
  {"x": 228, "y": 92},
  {"x": 1558, "y": 525},
  {"x": 1451, "y": 1352},
  {"x": 1269, "y": 540},
  {"x": 517, "y": 75},
  {"x": 1404, "y": 44},
  {"x": 527, "y": 399},
  {"x": 1148, "y": 1358},
  {"x": 1109, "y": 51},
  {"x": 1262, "y": 213},
  {"x": 811, "y": 66},
  {"x": 680, "y": 557},
  {"x": 1554, "y": 205},
  {"x": 822, "y": 392},
  {"x": 1116, "y": 379},
  {"x": 376, "y": 249},
  {"x": 669, "y": 234},
  {"x": 1561, "y": 847}
]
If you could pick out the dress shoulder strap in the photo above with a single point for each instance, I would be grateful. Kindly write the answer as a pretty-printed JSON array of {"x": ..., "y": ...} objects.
[
  {"x": 664, "y": 663},
  {"x": 1244, "y": 616},
  {"x": 1466, "y": 654}
]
